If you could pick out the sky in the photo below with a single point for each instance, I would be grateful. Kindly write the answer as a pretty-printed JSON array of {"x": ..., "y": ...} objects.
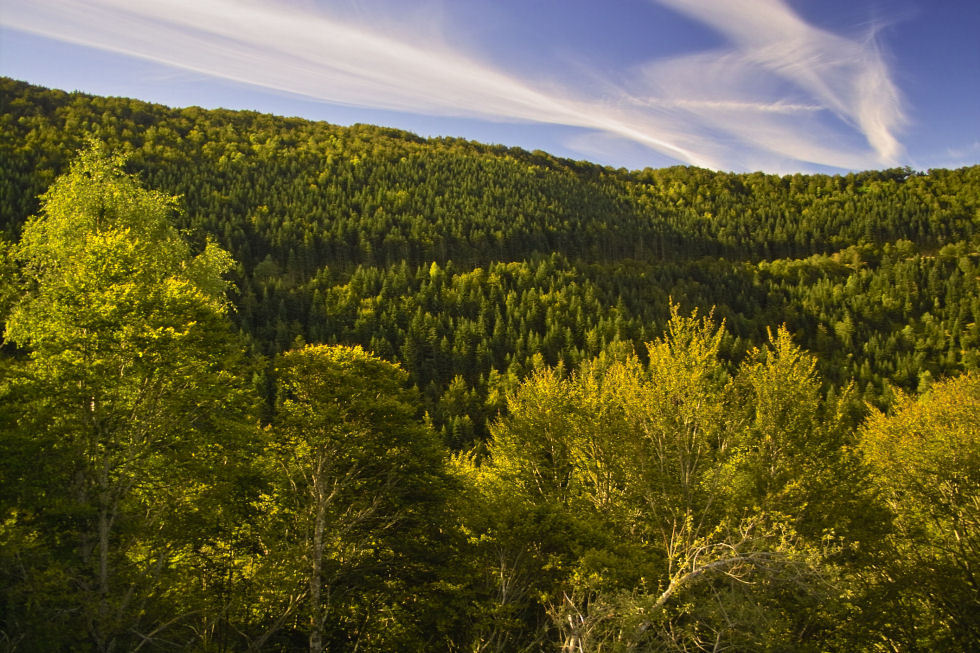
[{"x": 774, "y": 85}]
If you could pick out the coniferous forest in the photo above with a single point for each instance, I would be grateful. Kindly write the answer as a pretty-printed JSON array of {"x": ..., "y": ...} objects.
[{"x": 273, "y": 384}]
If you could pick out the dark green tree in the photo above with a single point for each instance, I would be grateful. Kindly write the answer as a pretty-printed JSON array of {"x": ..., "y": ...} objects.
[{"x": 357, "y": 490}]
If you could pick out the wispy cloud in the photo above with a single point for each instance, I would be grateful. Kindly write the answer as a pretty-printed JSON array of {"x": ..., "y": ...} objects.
[
  {"x": 773, "y": 53},
  {"x": 762, "y": 103}
]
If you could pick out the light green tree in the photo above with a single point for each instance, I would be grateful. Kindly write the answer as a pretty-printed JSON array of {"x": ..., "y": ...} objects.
[
  {"x": 128, "y": 394},
  {"x": 925, "y": 454},
  {"x": 665, "y": 495}
]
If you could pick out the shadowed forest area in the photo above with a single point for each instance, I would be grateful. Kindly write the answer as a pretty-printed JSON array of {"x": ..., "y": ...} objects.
[{"x": 273, "y": 384}]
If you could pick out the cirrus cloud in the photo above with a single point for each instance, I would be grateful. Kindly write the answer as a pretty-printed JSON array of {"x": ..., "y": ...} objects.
[{"x": 781, "y": 94}]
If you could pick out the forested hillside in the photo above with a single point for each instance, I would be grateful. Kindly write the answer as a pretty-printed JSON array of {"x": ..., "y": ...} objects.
[
  {"x": 273, "y": 384},
  {"x": 463, "y": 261}
]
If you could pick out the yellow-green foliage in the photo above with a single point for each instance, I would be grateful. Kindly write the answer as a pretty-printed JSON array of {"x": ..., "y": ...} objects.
[{"x": 925, "y": 454}]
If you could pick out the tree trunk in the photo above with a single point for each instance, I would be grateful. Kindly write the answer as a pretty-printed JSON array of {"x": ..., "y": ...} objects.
[
  {"x": 316, "y": 581},
  {"x": 104, "y": 527}
]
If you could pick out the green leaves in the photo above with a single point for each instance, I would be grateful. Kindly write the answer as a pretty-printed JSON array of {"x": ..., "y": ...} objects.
[
  {"x": 133, "y": 391},
  {"x": 109, "y": 270},
  {"x": 697, "y": 493},
  {"x": 97, "y": 197},
  {"x": 356, "y": 488},
  {"x": 694, "y": 500},
  {"x": 926, "y": 458}
]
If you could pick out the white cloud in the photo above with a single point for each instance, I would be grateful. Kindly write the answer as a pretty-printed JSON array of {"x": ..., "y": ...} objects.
[
  {"x": 773, "y": 51},
  {"x": 726, "y": 109}
]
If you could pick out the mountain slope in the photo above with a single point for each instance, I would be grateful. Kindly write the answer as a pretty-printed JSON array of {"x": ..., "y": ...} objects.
[{"x": 473, "y": 264}]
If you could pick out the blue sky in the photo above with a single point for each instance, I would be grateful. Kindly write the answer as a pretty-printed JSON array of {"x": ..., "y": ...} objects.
[{"x": 774, "y": 85}]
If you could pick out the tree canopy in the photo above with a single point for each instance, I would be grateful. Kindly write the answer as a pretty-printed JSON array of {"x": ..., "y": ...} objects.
[
  {"x": 132, "y": 387},
  {"x": 520, "y": 424}
]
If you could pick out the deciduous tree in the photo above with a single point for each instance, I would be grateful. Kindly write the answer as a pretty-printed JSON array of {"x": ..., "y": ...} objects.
[
  {"x": 926, "y": 457},
  {"x": 129, "y": 394},
  {"x": 358, "y": 484}
]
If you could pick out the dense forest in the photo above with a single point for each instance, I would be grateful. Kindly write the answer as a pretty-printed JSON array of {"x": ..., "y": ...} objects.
[{"x": 273, "y": 384}]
